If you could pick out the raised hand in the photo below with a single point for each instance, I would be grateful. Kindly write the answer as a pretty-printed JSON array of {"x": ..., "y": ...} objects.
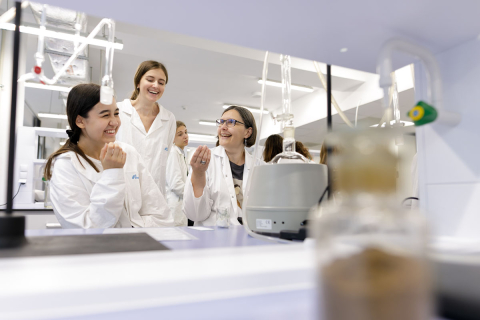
[
  {"x": 200, "y": 160},
  {"x": 199, "y": 163},
  {"x": 112, "y": 156}
]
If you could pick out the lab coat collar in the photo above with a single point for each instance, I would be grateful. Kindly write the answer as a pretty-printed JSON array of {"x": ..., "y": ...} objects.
[
  {"x": 127, "y": 107},
  {"x": 180, "y": 151},
  {"x": 137, "y": 122},
  {"x": 163, "y": 113},
  {"x": 159, "y": 119},
  {"x": 220, "y": 152}
]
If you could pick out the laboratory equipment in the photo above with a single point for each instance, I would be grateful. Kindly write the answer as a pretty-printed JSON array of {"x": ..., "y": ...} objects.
[
  {"x": 422, "y": 113},
  {"x": 223, "y": 217},
  {"x": 47, "y": 204},
  {"x": 444, "y": 185},
  {"x": 283, "y": 195},
  {"x": 371, "y": 257},
  {"x": 37, "y": 144},
  {"x": 106, "y": 91},
  {"x": 289, "y": 154},
  {"x": 385, "y": 69},
  {"x": 279, "y": 195}
]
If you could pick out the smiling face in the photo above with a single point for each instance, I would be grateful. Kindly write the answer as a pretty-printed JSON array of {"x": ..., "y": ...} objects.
[
  {"x": 181, "y": 137},
  {"x": 233, "y": 138},
  {"x": 102, "y": 124},
  {"x": 152, "y": 85}
]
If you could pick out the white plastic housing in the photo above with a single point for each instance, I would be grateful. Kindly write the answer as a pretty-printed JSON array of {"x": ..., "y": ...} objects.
[{"x": 106, "y": 95}]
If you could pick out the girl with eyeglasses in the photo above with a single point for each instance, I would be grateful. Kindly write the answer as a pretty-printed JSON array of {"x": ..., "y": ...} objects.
[{"x": 219, "y": 176}]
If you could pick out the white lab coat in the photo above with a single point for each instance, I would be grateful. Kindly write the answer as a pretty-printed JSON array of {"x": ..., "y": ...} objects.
[
  {"x": 153, "y": 146},
  {"x": 120, "y": 198},
  {"x": 218, "y": 192},
  {"x": 176, "y": 177}
]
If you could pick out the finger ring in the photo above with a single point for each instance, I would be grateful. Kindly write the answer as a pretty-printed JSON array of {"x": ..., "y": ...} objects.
[{"x": 203, "y": 162}]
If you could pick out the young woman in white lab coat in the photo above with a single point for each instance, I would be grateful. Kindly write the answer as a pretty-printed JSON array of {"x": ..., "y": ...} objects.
[
  {"x": 177, "y": 172},
  {"x": 219, "y": 177},
  {"x": 96, "y": 182},
  {"x": 147, "y": 125}
]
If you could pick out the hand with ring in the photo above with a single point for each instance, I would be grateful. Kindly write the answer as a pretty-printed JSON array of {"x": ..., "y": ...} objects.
[{"x": 200, "y": 160}]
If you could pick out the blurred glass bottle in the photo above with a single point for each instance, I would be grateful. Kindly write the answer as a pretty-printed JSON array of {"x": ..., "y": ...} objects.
[
  {"x": 47, "y": 204},
  {"x": 371, "y": 252}
]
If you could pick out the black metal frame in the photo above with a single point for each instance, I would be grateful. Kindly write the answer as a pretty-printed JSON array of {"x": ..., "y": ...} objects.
[
  {"x": 13, "y": 113},
  {"x": 329, "y": 124}
]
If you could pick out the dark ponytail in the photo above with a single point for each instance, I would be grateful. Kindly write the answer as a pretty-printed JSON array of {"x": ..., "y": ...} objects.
[{"x": 81, "y": 99}]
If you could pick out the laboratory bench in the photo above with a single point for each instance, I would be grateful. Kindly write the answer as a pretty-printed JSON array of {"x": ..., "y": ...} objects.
[
  {"x": 232, "y": 276},
  {"x": 204, "y": 237}
]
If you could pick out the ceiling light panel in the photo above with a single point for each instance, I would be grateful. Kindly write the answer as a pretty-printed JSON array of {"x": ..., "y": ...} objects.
[
  {"x": 53, "y": 116},
  {"x": 278, "y": 84},
  {"x": 251, "y": 109},
  {"x": 208, "y": 123}
]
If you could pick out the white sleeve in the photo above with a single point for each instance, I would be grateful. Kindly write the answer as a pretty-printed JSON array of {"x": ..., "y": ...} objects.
[
  {"x": 123, "y": 119},
  {"x": 171, "y": 132},
  {"x": 76, "y": 208},
  {"x": 154, "y": 211},
  {"x": 174, "y": 174},
  {"x": 197, "y": 209}
]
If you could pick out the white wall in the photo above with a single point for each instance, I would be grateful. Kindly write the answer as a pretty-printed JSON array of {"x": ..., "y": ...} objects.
[{"x": 449, "y": 158}]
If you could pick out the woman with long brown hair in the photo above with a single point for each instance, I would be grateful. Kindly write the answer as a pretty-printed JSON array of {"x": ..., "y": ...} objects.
[
  {"x": 96, "y": 182},
  {"x": 147, "y": 125},
  {"x": 300, "y": 148},
  {"x": 273, "y": 146}
]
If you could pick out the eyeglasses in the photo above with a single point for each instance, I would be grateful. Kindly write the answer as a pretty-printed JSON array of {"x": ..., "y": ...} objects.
[{"x": 230, "y": 122}]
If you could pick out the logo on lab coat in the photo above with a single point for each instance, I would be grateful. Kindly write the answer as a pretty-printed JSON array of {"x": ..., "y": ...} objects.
[
  {"x": 135, "y": 177},
  {"x": 166, "y": 149}
]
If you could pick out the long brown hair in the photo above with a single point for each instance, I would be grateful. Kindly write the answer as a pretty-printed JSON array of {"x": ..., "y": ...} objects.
[
  {"x": 81, "y": 99},
  {"x": 143, "y": 68},
  {"x": 323, "y": 153},
  {"x": 300, "y": 148},
  {"x": 273, "y": 146},
  {"x": 248, "y": 120}
]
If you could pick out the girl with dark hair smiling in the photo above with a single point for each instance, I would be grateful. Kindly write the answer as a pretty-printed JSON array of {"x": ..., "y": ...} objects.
[{"x": 96, "y": 182}]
